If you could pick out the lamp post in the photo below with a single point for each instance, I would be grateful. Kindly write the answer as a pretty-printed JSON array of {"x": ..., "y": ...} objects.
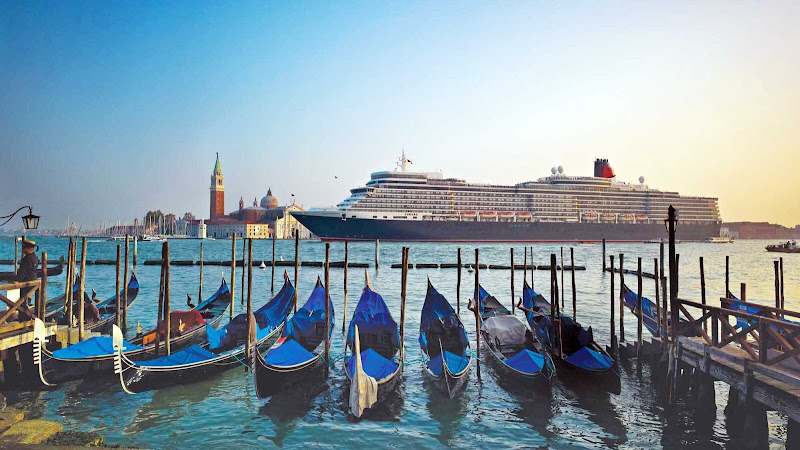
[{"x": 29, "y": 221}]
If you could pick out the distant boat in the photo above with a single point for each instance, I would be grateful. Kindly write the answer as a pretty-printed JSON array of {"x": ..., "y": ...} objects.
[
  {"x": 719, "y": 240},
  {"x": 263, "y": 265},
  {"x": 784, "y": 247}
]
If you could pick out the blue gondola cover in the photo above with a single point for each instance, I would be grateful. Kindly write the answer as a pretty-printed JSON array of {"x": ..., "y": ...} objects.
[
  {"x": 303, "y": 325},
  {"x": 588, "y": 359},
  {"x": 373, "y": 363},
  {"x": 289, "y": 353},
  {"x": 456, "y": 363},
  {"x": 189, "y": 355},
  {"x": 526, "y": 361},
  {"x": 373, "y": 318},
  {"x": 96, "y": 346}
]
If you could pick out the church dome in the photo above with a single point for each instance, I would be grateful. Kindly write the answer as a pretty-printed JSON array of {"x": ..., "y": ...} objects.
[{"x": 268, "y": 201}]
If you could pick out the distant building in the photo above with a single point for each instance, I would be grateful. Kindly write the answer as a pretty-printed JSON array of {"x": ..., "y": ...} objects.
[
  {"x": 761, "y": 230},
  {"x": 259, "y": 221}
]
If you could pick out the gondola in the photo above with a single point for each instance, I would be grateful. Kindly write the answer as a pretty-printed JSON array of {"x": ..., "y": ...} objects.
[
  {"x": 577, "y": 348},
  {"x": 299, "y": 352},
  {"x": 513, "y": 346},
  {"x": 650, "y": 316},
  {"x": 107, "y": 309},
  {"x": 373, "y": 372},
  {"x": 444, "y": 344},
  {"x": 97, "y": 353},
  {"x": 52, "y": 271},
  {"x": 224, "y": 350}
]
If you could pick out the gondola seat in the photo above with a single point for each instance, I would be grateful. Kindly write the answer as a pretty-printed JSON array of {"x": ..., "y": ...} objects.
[
  {"x": 526, "y": 361},
  {"x": 455, "y": 363},
  {"x": 373, "y": 364},
  {"x": 189, "y": 355},
  {"x": 289, "y": 353}
]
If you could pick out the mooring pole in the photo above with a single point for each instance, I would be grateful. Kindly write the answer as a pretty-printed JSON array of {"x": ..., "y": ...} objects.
[
  {"x": 658, "y": 299},
  {"x": 41, "y": 296},
  {"x": 244, "y": 261},
  {"x": 327, "y": 302},
  {"x": 272, "y": 278},
  {"x": 125, "y": 286},
  {"x": 167, "y": 307},
  {"x": 640, "y": 315},
  {"x": 233, "y": 273},
  {"x": 458, "y": 284},
  {"x": 673, "y": 274},
  {"x": 727, "y": 277},
  {"x": 613, "y": 305},
  {"x": 477, "y": 307},
  {"x": 743, "y": 291},
  {"x": 703, "y": 289},
  {"x": 621, "y": 298},
  {"x": 70, "y": 286},
  {"x": 533, "y": 267},
  {"x": 604, "y": 257},
  {"x": 81, "y": 305},
  {"x": 344, "y": 309},
  {"x": 562, "y": 279},
  {"x": 135, "y": 250},
  {"x": 296, "y": 264},
  {"x": 574, "y": 289},
  {"x": 200, "y": 289},
  {"x": 16, "y": 253},
  {"x": 777, "y": 285},
  {"x": 377, "y": 252},
  {"x": 525, "y": 266},
  {"x": 404, "y": 292},
  {"x": 160, "y": 317},
  {"x": 783, "y": 303},
  {"x": 118, "y": 302},
  {"x": 250, "y": 324},
  {"x": 512, "y": 280}
]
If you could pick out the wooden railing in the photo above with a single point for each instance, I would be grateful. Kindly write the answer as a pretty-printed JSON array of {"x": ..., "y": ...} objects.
[
  {"x": 765, "y": 337},
  {"x": 21, "y": 305}
]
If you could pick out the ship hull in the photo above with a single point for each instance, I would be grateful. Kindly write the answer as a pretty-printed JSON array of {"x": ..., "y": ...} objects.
[{"x": 328, "y": 227}]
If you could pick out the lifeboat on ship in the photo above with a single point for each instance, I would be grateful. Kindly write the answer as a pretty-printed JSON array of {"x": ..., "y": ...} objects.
[
  {"x": 524, "y": 216},
  {"x": 590, "y": 216},
  {"x": 626, "y": 217},
  {"x": 608, "y": 217},
  {"x": 505, "y": 216},
  {"x": 641, "y": 218},
  {"x": 488, "y": 215},
  {"x": 468, "y": 213}
]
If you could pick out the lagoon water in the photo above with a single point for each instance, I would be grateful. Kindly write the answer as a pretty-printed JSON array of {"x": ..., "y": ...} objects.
[{"x": 224, "y": 412}]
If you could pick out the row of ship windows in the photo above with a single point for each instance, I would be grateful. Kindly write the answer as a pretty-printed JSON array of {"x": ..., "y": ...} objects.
[{"x": 528, "y": 197}]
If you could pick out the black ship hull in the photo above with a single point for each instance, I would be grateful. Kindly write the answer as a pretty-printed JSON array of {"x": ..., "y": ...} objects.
[{"x": 329, "y": 227}]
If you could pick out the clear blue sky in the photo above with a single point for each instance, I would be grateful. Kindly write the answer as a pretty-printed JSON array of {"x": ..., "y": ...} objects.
[{"x": 113, "y": 108}]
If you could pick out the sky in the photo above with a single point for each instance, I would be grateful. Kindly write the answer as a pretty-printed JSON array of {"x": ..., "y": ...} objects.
[{"x": 111, "y": 109}]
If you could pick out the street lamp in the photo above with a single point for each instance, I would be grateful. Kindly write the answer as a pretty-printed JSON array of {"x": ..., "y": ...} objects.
[{"x": 29, "y": 221}]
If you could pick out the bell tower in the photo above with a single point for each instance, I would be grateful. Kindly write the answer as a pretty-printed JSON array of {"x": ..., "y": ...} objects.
[{"x": 217, "y": 192}]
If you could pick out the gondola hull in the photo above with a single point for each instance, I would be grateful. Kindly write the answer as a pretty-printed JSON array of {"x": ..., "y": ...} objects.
[
  {"x": 497, "y": 361},
  {"x": 448, "y": 382},
  {"x": 141, "y": 378},
  {"x": 271, "y": 380},
  {"x": 385, "y": 386}
]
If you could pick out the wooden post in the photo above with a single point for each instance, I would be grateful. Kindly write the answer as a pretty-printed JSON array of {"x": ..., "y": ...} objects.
[
  {"x": 783, "y": 302},
  {"x": 727, "y": 276},
  {"x": 136, "y": 250},
  {"x": 118, "y": 303},
  {"x": 743, "y": 290},
  {"x": 250, "y": 293},
  {"x": 562, "y": 279},
  {"x": 233, "y": 273},
  {"x": 200, "y": 289},
  {"x": 640, "y": 315},
  {"x": 377, "y": 252},
  {"x": 512, "y": 280},
  {"x": 613, "y": 324},
  {"x": 525, "y": 266},
  {"x": 673, "y": 273},
  {"x": 677, "y": 272},
  {"x": 703, "y": 289},
  {"x": 167, "y": 308},
  {"x": 245, "y": 244},
  {"x": 621, "y": 298},
  {"x": 125, "y": 287},
  {"x": 403, "y": 292},
  {"x": 458, "y": 284},
  {"x": 533, "y": 267},
  {"x": 160, "y": 317},
  {"x": 574, "y": 288},
  {"x": 16, "y": 253},
  {"x": 344, "y": 309},
  {"x": 70, "y": 283},
  {"x": 554, "y": 277},
  {"x": 658, "y": 299},
  {"x": 327, "y": 303},
  {"x": 272, "y": 278},
  {"x": 81, "y": 312},
  {"x": 604, "y": 257},
  {"x": 662, "y": 266},
  {"x": 42, "y": 295},
  {"x": 296, "y": 265},
  {"x": 477, "y": 308},
  {"x": 777, "y": 285}
]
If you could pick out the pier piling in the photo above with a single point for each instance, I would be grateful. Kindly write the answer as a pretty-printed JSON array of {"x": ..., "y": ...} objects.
[
  {"x": 118, "y": 303},
  {"x": 16, "y": 253},
  {"x": 233, "y": 273},
  {"x": 574, "y": 289},
  {"x": 403, "y": 291},
  {"x": 344, "y": 309},
  {"x": 160, "y": 316},
  {"x": 562, "y": 279},
  {"x": 604, "y": 258},
  {"x": 476, "y": 311},
  {"x": 512, "y": 280},
  {"x": 167, "y": 303},
  {"x": 250, "y": 317},
  {"x": 533, "y": 267},
  {"x": 272, "y": 277},
  {"x": 41, "y": 304},
  {"x": 727, "y": 276},
  {"x": 245, "y": 244},
  {"x": 70, "y": 281},
  {"x": 377, "y": 252},
  {"x": 743, "y": 292},
  {"x": 458, "y": 284},
  {"x": 621, "y": 297},
  {"x": 125, "y": 286},
  {"x": 525, "y": 265},
  {"x": 81, "y": 305},
  {"x": 327, "y": 303},
  {"x": 777, "y": 285},
  {"x": 200, "y": 289},
  {"x": 613, "y": 304},
  {"x": 658, "y": 299},
  {"x": 296, "y": 264},
  {"x": 639, "y": 315},
  {"x": 135, "y": 250},
  {"x": 703, "y": 287},
  {"x": 783, "y": 302}
]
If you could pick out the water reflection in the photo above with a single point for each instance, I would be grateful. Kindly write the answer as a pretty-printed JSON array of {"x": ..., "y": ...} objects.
[
  {"x": 286, "y": 408},
  {"x": 447, "y": 412},
  {"x": 168, "y": 405}
]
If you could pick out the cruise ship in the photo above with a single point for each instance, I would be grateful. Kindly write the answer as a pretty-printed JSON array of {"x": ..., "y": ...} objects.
[{"x": 403, "y": 205}]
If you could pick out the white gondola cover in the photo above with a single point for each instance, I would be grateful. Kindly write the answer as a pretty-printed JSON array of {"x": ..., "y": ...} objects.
[{"x": 508, "y": 330}]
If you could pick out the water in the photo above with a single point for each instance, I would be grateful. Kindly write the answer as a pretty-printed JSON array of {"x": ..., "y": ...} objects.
[{"x": 224, "y": 411}]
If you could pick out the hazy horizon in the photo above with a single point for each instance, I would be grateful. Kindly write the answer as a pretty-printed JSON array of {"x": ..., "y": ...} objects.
[{"x": 114, "y": 109}]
